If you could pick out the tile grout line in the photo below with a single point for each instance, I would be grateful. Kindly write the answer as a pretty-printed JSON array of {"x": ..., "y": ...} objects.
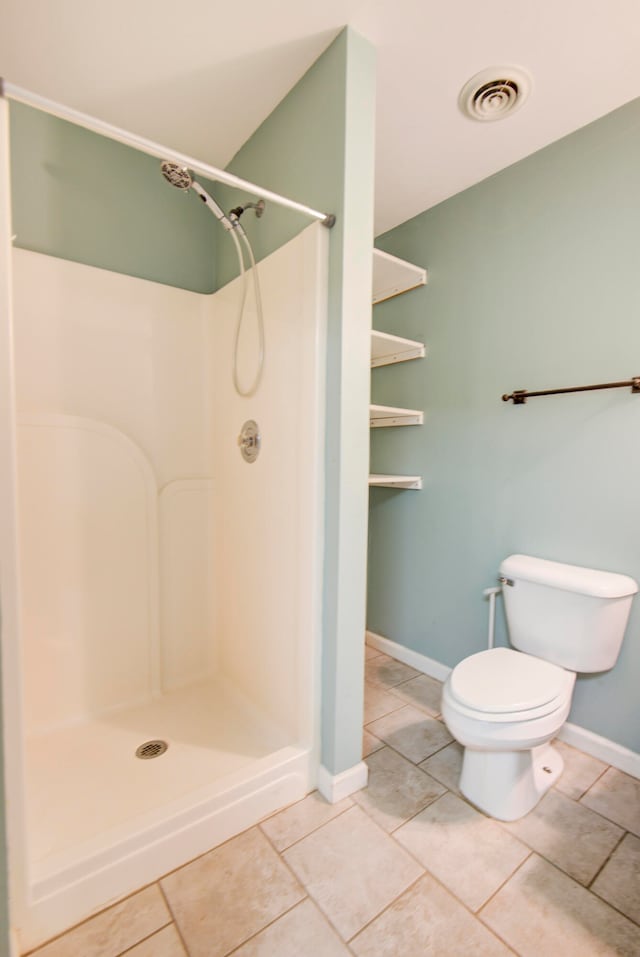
[
  {"x": 479, "y": 913},
  {"x": 595, "y": 877},
  {"x": 382, "y": 830},
  {"x": 422, "y": 760},
  {"x": 404, "y": 821},
  {"x": 613, "y": 907},
  {"x": 543, "y": 856},
  {"x": 214, "y": 847},
  {"x": 447, "y": 890},
  {"x": 607, "y": 859},
  {"x": 434, "y": 876},
  {"x": 173, "y": 917},
  {"x": 476, "y": 914},
  {"x": 234, "y": 950},
  {"x": 600, "y": 776},
  {"x": 521, "y": 840},
  {"x": 397, "y": 844},
  {"x": 390, "y": 690},
  {"x": 401, "y": 704},
  {"x": 308, "y": 894},
  {"x": 411, "y": 702},
  {"x": 609, "y": 819},
  {"x": 414, "y": 763},
  {"x": 398, "y": 684},
  {"x": 576, "y": 882},
  {"x": 385, "y": 909},
  {"x": 86, "y": 920},
  {"x": 123, "y": 953},
  {"x": 308, "y": 834},
  {"x": 414, "y": 816}
]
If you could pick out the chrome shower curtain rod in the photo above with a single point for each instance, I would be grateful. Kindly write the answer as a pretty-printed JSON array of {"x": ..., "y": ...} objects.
[{"x": 12, "y": 92}]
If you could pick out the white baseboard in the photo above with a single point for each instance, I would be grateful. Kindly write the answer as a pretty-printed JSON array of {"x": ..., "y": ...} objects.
[
  {"x": 408, "y": 657},
  {"x": 335, "y": 787},
  {"x": 598, "y": 747}
]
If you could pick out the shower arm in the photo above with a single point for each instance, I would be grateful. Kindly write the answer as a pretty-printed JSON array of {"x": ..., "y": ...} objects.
[{"x": 12, "y": 92}]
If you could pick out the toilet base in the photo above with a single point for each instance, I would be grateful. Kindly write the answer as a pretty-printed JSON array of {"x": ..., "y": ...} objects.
[{"x": 508, "y": 784}]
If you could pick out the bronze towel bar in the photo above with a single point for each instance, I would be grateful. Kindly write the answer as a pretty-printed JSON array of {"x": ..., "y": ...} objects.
[{"x": 520, "y": 396}]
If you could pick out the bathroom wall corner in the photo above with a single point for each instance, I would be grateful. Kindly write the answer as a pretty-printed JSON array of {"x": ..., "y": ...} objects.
[{"x": 335, "y": 787}]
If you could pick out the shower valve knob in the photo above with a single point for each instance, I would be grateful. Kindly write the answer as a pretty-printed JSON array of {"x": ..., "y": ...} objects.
[{"x": 249, "y": 441}]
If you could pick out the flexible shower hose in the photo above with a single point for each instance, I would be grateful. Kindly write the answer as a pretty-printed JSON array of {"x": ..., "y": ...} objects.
[{"x": 243, "y": 298}]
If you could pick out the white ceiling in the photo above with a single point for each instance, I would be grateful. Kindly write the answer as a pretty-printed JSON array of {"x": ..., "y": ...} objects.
[{"x": 201, "y": 76}]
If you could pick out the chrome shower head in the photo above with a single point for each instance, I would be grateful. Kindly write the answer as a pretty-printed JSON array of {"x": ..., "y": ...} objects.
[
  {"x": 178, "y": 176},
  {"x": 182, "y": 178}
]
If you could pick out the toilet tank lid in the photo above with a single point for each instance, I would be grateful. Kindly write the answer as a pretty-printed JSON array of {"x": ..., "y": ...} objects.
[{"x": 585, "y": 581}]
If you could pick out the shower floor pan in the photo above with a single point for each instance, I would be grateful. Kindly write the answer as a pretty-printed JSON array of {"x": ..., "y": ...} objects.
[{"x": 102, "y": 822}]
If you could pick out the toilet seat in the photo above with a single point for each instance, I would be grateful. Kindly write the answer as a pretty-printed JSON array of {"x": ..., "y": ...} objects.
[{"x": 500, "y": 685}]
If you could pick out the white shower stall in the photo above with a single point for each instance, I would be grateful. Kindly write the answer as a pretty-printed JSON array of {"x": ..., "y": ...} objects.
[{"x": 156, "y": 585}]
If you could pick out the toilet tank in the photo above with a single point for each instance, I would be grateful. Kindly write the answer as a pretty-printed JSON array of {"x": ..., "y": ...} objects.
[{"x": 572, "y": 616}]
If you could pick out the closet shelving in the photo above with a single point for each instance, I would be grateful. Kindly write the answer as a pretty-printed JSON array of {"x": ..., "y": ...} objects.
[
  {"x": 396, "y": 481},
  {"x": 392, "y": 277},
  {"x": 384, "y": 416},
  {"x": 387, "y": 349}
]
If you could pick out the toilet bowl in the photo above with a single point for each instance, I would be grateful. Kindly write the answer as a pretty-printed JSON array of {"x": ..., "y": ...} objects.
[{"x": 505, "y": 706}]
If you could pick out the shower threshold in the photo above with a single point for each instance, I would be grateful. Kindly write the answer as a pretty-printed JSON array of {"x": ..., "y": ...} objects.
[{"x": 102, "y": 823}]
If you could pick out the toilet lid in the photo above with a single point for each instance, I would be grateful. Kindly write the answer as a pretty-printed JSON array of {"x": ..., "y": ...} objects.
[{"x": 501, "y": 680}]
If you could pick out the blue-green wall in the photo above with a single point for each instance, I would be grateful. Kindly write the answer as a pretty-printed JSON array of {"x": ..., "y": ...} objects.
[
  {"x": 84, "y": 197},
  {"x": 318, "y": 147},
  {"x": 533, "y": 283}
]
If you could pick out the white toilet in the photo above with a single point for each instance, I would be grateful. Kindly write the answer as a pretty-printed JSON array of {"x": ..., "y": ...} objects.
[{"x": 505, "y": 706}]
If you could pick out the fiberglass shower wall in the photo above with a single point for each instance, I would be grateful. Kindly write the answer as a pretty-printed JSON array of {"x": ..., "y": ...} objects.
[
  {"x": 113, "y": 426},
  {"x": 153, "y": 555},
  {"x": 169, "y": 588}
]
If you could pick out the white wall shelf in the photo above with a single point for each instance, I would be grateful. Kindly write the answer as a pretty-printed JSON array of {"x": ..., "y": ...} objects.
[
  {"x": 393, "y": 276},
  {"x": 387, "y": 349},
  {"x": 395, "y": 481},
  {"x": 386, "y": 416}
]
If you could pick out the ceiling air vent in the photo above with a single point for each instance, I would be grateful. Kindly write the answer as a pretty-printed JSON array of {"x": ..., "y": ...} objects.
[{"x": 494, "y": 93}]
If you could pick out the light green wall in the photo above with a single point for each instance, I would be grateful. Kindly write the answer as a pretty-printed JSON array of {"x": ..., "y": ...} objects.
[
  {"x": 84, "y": 197},
  {"x": 317, "y": 147},
  {"x": 533, "y": 283}
]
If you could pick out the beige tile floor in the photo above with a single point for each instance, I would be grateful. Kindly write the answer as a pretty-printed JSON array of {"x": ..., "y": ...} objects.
[{"x": 404, "y": 868}]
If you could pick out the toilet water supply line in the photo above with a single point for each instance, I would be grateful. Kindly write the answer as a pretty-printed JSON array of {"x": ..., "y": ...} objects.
[{"x": 491, "y": 593}]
